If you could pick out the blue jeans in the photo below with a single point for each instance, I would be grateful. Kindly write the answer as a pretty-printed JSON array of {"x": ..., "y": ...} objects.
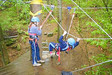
[{"x": 35, "y": 51}]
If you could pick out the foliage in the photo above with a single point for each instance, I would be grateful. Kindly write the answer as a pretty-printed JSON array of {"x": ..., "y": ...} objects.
[
  {"x": 67, "y": 1},
  {"x": 17, "y": 11},
  {"x": 18, "y": 47},
  {"x": 102, "y": 69}
]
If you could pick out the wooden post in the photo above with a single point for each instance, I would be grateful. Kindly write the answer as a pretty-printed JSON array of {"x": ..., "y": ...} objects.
[
  {"x": 4, "y": 54},
  {"x": 59, "y": 18},
  {"x": 35, "y": 6}
]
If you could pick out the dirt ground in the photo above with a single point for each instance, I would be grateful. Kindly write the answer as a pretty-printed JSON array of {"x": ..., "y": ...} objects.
[{"x": 74, "y": 60}]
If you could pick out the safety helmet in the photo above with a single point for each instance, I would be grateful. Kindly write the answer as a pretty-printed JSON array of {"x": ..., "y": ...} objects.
[
  {"x": 71, "y": 41},
  {"x": 35, "y": 19}
]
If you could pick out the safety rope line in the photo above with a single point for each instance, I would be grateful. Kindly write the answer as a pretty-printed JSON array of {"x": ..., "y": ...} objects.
[
  {"x": 71, "y": 34},
  {"x": 3, "y": 2},
  {"x": 48, "y": 16},
  {"x": 59, "y": 24},
  {"x": 92, "y": 66},
  {"x": 67, "y": 24},
  {"x": 71, "y": 22},
  {"x": 92, "y": 19},
  {"x": 78, "y": 8},
  {"x": 54, "y": 19}
]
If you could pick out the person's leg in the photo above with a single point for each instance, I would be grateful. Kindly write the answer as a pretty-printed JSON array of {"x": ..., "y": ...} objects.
[
  {"x": 51, "y": 47},
  {"x": 33, "y": 52},
  {"x": 37, "y": 52},
  {"x": 34, "y": 57}
]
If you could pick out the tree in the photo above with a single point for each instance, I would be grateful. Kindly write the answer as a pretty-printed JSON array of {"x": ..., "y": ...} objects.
[
  {"x": 36, "y": 6},
  {"x": 4, "y": 54},
  {"x": 59, "y": 18}
]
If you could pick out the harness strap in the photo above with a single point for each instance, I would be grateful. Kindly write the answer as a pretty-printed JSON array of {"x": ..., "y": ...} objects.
[
  {"x": 33, "y": 39},
  {"x": 56, "y": 47},
  {"x": 32, "y": 34},
  {"x": 59, "y": 55},
  {"x": 68, "y": 49}
]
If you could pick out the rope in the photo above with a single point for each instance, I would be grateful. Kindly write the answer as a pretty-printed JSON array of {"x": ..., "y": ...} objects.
[
  {"x": 92, "y": 66},
  {"x": 48, "y": 16},
  {"x": 55, "y": 19},
  {"x": 3, "y": 2},
  {"x": 71, "y": 34},
  {"x": 71, "y": 22},
  {"x": 78, "y": 8},
  {"x": 92, "y": 20},
  {"x": 67, "y": 25},
  {"x": 59, "y": 24}
]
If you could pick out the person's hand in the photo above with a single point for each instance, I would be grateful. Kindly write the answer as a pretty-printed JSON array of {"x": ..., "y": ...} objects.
[
  {"x": 40, "y": 27},
  {"x": 78, "y": 39},
  {"x": 64, "y": 33}
]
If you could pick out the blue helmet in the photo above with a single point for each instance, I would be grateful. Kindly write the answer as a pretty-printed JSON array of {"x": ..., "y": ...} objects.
[
  {"x": 35, "y": 19},
  {"x": 71, "y": 41}
]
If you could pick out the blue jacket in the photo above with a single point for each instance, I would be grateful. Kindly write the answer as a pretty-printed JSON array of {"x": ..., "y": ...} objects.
[
  {"x": 34, "y": 30},
  {"x": 63, "y": 44}
]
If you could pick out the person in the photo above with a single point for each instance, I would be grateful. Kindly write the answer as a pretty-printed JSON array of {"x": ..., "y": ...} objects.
[
  {"x": 34, "y": 31},
  {"x": 63, "y": 45}
]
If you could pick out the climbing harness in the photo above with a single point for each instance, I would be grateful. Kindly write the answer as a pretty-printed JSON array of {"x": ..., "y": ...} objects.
[
  {"x": 59, "y": 55},
  {"x": 58, "y": 50},
  {"x": 52, "y": 7}
]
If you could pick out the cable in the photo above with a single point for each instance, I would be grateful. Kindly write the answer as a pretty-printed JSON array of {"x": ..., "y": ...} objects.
[
  {"x": 71, "y": 21},
  {"x": 55, "y": 19},
  {"x": 3, "y": 2},
  {"x": 91, "y": 66},
  {"x": 73, "y": 35},
  {"x": 78, "y": 8},
  {"x": 92, "y": 20}
]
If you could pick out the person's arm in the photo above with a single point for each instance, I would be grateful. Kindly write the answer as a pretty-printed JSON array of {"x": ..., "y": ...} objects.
[
  {"x": 77, "y": 42},
  {"x": 61, "y": 38},
  {"x": 39, "y": 32}
]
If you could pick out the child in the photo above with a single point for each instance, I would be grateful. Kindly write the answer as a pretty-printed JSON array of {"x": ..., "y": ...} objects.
[
  {"x": 34, "y": 32},
  {"x": 63, "y": 45}
]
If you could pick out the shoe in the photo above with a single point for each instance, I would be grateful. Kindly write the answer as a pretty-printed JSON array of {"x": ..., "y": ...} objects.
[
  {"x": 41, "y": 61},
  {"x": 57, "y": 53},
  {"x": 37, "y": 64},
  {"x": 51, "y": 54}
]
